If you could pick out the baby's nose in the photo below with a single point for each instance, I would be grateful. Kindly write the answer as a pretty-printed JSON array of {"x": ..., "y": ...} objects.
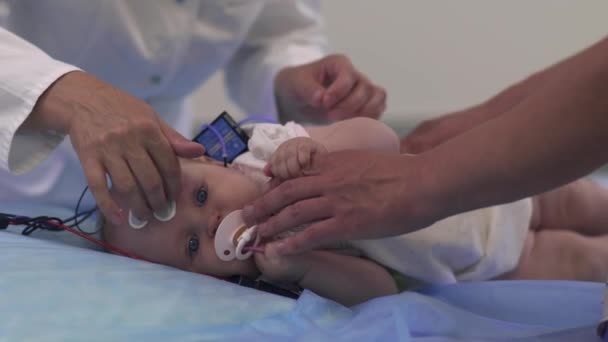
[{"x": 214, "y": 222}]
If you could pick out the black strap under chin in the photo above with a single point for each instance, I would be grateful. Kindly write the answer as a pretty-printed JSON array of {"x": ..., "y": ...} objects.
[{"x": 266, "y": 287}]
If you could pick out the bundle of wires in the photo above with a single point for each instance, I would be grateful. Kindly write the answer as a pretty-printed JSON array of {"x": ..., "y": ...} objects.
[
  {"x": 55, "y": 224},
  {"x": 49, "y": 223}
]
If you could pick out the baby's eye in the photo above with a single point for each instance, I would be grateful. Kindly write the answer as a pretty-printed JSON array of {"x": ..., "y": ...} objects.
[
  {"x": 193, "y": 245},
  {"x": 201, "y": 196}
]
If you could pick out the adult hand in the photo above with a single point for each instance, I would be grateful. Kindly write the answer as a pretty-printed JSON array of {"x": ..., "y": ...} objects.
[
  {"x": 431, "y": 133},
  {"x": 346, "y": 195},
  {"x": 116, "y": 134},
  {"x": 330, "y": 88}
]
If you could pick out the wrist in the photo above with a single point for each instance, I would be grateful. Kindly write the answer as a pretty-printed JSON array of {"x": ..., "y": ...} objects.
[
  {"x": 55, "y": 107},
  {"x": 421, "y": 191},
  {"x": 291, "y": 103}
]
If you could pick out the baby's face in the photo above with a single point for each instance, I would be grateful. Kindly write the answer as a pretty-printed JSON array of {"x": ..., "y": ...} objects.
[{"x": 209, "y": 192}]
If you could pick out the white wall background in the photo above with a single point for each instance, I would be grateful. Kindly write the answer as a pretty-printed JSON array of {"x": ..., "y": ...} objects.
[{"x": 435, "y": 55}]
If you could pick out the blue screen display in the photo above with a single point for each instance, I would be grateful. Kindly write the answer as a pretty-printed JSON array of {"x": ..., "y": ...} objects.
[{"x": 234, "y": 144}]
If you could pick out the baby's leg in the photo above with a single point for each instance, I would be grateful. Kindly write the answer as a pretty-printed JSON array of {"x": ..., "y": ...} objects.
[
  {"x": 562, "y": 255},
  {"x": 581, "y": 206}
]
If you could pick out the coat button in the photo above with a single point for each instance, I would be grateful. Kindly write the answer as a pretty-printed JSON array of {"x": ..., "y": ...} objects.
[{"x": 155, "y": 79}]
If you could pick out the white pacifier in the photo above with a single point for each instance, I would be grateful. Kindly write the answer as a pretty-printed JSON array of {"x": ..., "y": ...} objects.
[{"x": 232, "y": 236}]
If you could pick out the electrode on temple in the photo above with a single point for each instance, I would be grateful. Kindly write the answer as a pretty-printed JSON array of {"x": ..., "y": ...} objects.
[
  {"x": 167, "y": 214},
  {"x": 135, "y": 222}
]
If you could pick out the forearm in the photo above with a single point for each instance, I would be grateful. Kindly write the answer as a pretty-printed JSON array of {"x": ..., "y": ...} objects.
[
  {"x": 346, "y": 279},
  {"x": 554, "y": 136},
  {"x": 514, "y": 95},
  {"x": 503, "y": 101},
  {"x": 27, "y": 72},
  {"x": 356, "y": 133}
]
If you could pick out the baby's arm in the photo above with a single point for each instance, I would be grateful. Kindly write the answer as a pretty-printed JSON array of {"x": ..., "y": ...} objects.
[
  {"x": 346, "y": 279},
  {"x": 295, "y": 155},
  {"x": 356, "y": 134}
]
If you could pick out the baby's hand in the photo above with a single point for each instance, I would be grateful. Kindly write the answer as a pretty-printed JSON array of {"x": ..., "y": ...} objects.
[
  {"x": 292, "y": 157},
  {"x": 286, "y": 269}
]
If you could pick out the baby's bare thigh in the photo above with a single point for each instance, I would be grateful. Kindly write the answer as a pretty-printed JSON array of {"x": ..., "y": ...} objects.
[{"x": 562, "y": 255}]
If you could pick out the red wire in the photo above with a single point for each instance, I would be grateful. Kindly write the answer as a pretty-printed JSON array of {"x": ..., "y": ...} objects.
[
  {"x": 92, "y": 239},
  {"x": 103, "y": 243}
]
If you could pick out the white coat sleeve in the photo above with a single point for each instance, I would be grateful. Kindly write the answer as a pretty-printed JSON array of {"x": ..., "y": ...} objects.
[
  {"x": 25, "y": 74},
  {"x": 286, "y": 33}
]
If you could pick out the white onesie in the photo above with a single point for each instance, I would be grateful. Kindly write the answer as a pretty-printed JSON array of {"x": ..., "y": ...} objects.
[{"x": 477, "y": 245}]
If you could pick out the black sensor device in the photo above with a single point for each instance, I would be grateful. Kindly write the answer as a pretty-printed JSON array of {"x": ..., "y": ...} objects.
[{"x": 235, "y": 138}]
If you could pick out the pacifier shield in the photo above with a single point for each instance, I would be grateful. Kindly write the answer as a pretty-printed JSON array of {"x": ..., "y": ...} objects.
[{"x": 225, "y": 249}]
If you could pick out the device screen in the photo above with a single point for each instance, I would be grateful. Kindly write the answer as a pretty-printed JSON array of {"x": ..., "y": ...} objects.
[{"x": 234, "y": 139}]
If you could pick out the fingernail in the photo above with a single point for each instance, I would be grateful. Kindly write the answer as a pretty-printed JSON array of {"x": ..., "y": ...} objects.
[{"x": 316, "y": 97}]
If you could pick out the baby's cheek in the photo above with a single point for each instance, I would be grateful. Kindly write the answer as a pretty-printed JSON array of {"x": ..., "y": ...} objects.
[{"x": 213, "y": 266}]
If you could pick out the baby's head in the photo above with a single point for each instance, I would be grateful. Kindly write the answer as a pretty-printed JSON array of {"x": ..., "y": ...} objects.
[{"x": 209, "y": 192}]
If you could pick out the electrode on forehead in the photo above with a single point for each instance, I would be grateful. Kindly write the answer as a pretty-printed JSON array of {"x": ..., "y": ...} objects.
[
  {"x": 135, "y": 222},
  {"x": 164, "y": 216},
  {"x": 232, "y": 236},
  {"x": 167, "y": 214}
]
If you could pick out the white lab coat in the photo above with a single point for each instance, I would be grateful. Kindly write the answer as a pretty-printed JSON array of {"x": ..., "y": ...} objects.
[{"x": 159, "y": 51}]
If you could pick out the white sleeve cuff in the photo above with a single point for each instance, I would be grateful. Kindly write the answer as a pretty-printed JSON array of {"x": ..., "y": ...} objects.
[{"x": 20, "y": 151}]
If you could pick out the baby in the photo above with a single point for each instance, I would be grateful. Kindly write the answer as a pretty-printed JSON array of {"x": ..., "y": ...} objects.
[{"x": 557, "y": 235}]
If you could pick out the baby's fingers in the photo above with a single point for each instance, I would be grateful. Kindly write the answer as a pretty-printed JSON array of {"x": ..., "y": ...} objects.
[
  {"x": 293, "y": 166},
  {"x": 304, "y": 154},
  {"x": 278, "y": 164}
]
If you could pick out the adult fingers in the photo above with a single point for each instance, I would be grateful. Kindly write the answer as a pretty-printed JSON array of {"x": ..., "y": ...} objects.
[
  {"x": 317, "y": 234},
  {"x": 376, "y": 105},
  {"x": 96, "y": 179},
  {"x": 353, "y": 102},
  {"x": 181, "y": 146},
  {"x": 166, "y": 166},
  {"x": 342, "y": 79},
  {"x": 149, "y": 180},
  {"x": 281, "y": 196},
  {"x": 124, "y": 185},
  {"x": 295, "y": 215}
]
